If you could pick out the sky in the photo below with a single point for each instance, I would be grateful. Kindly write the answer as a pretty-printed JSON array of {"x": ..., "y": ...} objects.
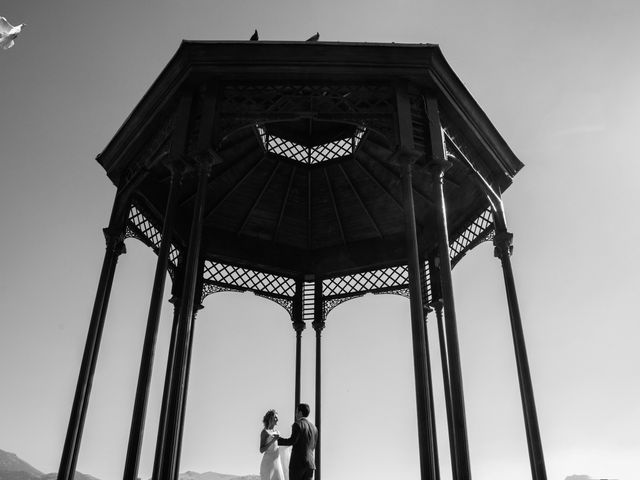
[{"x": 559, "y": 81}]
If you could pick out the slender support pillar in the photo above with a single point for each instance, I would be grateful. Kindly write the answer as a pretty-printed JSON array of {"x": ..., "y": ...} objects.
[
  {"x": 503, "y": 248},
  {"x": 162, "y": 425},
  {"x": 169, "y": 459},
  {"x": 432, "y": 411},
  {"x": 176, "y": 152},
  {"x": 148, "y": 349},
  {"x": 298, "y": 326},
  {"x": 406, "y": 156},
  {"x": 114, "y": 235},
  {"x": 434, "y": 432},
  {"x": 447, "y": 388},
  {"x": 436, "y": 293},
  {"x": 418, "y": 334},
  {"x": 179, "y": 377},
  {"x": 183, "y": 407},
  {"x": 318, "y": 326},
  {"x": 438, "y": 166}
]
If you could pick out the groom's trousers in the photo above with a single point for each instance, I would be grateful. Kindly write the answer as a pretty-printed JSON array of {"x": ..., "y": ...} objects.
[{"x": 306, "y": 474}]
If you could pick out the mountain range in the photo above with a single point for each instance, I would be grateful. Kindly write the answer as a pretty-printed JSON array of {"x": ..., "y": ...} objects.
[
  {"x": 13, "y": 467},
  {"x": 582, "y": 477}
]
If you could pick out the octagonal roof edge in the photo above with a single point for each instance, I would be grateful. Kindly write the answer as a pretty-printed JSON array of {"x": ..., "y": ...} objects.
[{"x": 430, "y": 64}]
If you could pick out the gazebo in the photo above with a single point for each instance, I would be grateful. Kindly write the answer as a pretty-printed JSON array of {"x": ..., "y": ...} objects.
[{"x": 309, "y": 173}]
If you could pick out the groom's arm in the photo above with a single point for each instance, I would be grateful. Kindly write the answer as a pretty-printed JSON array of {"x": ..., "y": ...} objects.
[{"x": 295, "y": 433}]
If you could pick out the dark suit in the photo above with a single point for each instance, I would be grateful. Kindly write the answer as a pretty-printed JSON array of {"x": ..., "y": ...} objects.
[{"x": 304, "y": 436}]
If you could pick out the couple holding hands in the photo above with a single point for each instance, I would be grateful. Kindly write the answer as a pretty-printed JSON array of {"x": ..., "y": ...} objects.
[{"x": 304, "y": 436}]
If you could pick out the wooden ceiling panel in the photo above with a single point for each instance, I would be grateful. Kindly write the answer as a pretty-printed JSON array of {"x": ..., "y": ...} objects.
[
  {"x": 294, "y": 227},
  {"x": 326, "y": 227}
]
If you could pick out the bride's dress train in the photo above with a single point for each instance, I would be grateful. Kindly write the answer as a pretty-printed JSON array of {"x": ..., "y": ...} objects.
[
  {"x": 271, "y": 465},
  {"x": 285, "y": 456}
]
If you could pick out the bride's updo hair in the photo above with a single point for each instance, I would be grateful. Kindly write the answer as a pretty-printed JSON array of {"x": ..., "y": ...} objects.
[{"x": 268, "y": 417}]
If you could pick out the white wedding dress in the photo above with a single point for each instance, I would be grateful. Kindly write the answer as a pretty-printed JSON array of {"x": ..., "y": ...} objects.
[{"x": 271, "y": 465}]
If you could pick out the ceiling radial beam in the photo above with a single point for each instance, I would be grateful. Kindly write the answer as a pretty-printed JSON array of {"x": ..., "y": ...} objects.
[
  {"x": 283, "y": 207},
  {"x": 217, "y": 204},
  {"x": 159, "y": 154},
  {"x": 373, "y": 178},
  {"x": 451, "y": 181},
  {"x": 422, "y": 195},
  {"x": 335, "y": 207},
  {"x": 459, "y": 155},
  {"x": 357, "y": 194},
  {"x": 259, "y": 197},
  {"x": 226, "y": 165}
]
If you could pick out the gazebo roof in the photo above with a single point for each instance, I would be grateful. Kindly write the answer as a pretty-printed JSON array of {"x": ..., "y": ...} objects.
[{"x": 303, "y": 133}]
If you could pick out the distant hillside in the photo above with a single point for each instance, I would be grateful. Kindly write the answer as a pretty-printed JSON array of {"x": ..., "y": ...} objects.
[
  {"x": 77, "y": 476},
  {"x": 583, "y": 477},
  {"x": 14, "y": 468},
  {"x": 215, "y": 476}
]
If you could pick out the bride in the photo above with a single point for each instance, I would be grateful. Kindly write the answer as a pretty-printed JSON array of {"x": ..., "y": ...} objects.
[{"x": 271, "y": 465}]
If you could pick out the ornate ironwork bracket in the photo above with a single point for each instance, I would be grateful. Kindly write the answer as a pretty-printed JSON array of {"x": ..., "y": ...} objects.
[
  {"x": 211, "y": 288},
  {"x": 286, "y": 303},
  {"x": 403, "y": 292},
  {"x": 331, "y": 303}
]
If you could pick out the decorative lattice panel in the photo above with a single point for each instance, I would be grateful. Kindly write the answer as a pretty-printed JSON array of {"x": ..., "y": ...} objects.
[
  {"x": 368, "y": 105},
  {"x": 246, "y": 279},
  {"x": 374, "y": 280},
  {"x": 427, "y": 295},
  {"x": 392, "y": 280},
  {"x": 477, "y": 231},
  {"x": 308, "y": 301},
  {"x": 310, "y": 155},
  {"x": 139, "y": 226},
  {"x": 419, "y": 122}
]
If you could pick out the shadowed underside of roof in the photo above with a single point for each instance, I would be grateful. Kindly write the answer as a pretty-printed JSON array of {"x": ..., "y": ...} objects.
[{"x": 303, "y": 136}]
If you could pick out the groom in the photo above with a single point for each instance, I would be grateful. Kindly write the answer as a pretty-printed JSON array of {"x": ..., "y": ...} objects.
[{"x": 304, "y": 435}]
